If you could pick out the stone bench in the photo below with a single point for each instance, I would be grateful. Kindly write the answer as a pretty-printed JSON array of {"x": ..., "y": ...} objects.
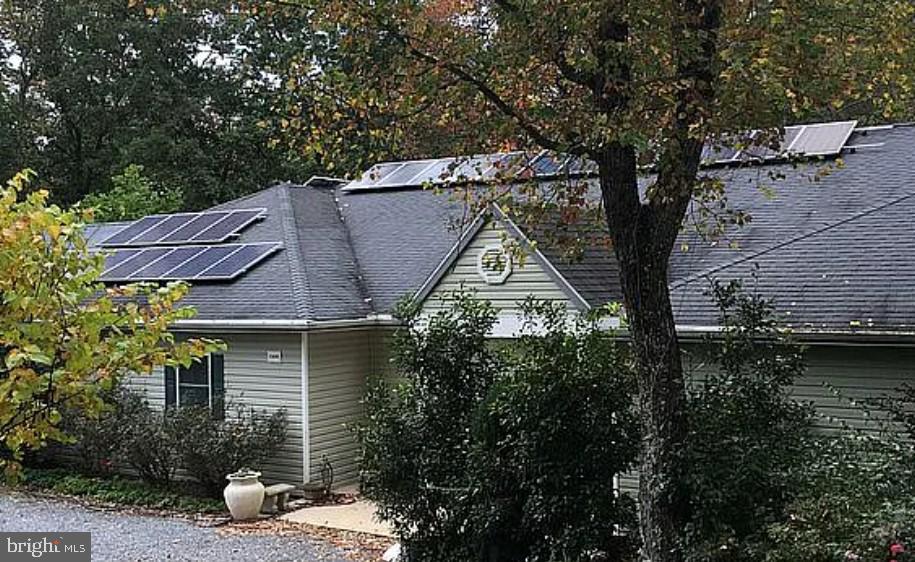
[{"x": 275, "y": 497}]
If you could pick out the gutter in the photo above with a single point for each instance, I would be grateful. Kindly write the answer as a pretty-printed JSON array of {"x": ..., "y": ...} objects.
[
  {"x": 290, "y": 324},
  {"x": 686, "y": 333},
  {"x": 817, "y": 337}
]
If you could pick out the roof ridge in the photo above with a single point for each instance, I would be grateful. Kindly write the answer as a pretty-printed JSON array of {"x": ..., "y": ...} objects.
[
  {"x": 809, "y": 234},
  {"x": 360, "y": 280},
  {"x": 298, "y": 270},
  {"x": 279, "y": 186}
]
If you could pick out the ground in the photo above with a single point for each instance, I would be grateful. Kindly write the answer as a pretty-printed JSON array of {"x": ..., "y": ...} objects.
[{"x": 119, "y": 536}]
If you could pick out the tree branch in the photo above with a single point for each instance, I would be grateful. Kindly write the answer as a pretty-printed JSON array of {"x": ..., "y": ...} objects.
[
  {"x": 494, "y": 98},
  {"x": 679, "y": 163}
]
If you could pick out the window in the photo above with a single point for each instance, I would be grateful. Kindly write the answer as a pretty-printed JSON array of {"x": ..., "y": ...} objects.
[{"x": 199, "y": 384}]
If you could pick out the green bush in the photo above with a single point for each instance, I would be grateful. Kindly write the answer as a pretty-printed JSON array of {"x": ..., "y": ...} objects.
[
  {"x": 151, "y": 447},
  {"x": 97, "y": 442},
  {"x": 210, "y": 448},
  {"x": 475, "y": 453},
  {"x": 156, "y": 443},
  {"x": 552, "y": 433},
  {"x": 855, "y": 503},
  {"x": 857, "y": 490},
  {"x": 748, "y": 438}
]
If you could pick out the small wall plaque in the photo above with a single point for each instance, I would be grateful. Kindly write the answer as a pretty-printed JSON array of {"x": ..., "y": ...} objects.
[{"x": 274, "y": 357}]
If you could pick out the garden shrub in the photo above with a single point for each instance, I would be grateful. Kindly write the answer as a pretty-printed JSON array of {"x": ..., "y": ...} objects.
[
  {"x": 554, "y": 430},
  {"x": 157, "y": 443},
  {"x": 211, "y": 447},
  {"x": 417, "y": 434},
  {"x": 475, "y": 452},
  {"x": 748, "y": 438},
  {"x": 151, "y": 447},
  {"x": 858, "y": 488},
  {"x": 97, "y": 442},
  {"x": 856, "y": 503}
]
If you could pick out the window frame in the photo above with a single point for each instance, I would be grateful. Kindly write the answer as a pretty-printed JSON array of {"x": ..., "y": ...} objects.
[
  {"x": 209, "y": 384},
  {"x": 216, "y": 395}
]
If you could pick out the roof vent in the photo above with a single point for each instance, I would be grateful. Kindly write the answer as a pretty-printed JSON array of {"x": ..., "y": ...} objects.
[{"x": 494, "y": 264}]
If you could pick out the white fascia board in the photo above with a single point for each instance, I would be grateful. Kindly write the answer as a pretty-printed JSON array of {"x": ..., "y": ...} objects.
[{"x": 510, "y": 323}]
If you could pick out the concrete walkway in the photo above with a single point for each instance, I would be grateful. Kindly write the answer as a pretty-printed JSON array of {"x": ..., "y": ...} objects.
[{"x": 357, "y": 517}]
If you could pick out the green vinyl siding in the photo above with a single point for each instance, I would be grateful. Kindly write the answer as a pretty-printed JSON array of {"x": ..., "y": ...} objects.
[
  {"x": 339, "y": 364},
  {"x": 525, "y": 280},
  {"x": 836, "y": 377}
]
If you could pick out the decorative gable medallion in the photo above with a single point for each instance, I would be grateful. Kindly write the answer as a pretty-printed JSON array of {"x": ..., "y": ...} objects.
[{"x": 494, "y": 264}]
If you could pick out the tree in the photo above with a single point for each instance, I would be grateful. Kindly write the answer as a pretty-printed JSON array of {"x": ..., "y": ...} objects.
[
  {"x": 629, "y": 85},
  {"x": 65, "y": 338},
  {"x": 131, "y": 197},
  {"x": 91, "y": 87}
]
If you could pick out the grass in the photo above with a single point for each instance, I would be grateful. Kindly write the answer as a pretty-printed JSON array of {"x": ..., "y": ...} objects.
[{"x": 120, "y": 490}]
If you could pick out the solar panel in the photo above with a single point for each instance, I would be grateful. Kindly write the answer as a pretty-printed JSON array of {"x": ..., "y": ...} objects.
[
  {"x": 195, "y": 227},
  {"x": 822, "y": 139},
  {"x": 127, "y": 267},
  {"x": 579, "y": 165},
  {"x": 163, "y": 228},
  {"x": 506, "y": 166},
  {"x": 791, "y": 134},
  {"x": 405, "y": 173},
  {"x": 115, "y": 259},
  {"x": 209, "y": 263},
  {"x": 184, "y": 228},
  {"x": 229, "y": 225},
  {"x": 133, "y": 230},
  {"x": 376, "y": 174},
  {"x": 239, "y": 262},
  {"x": 202, "y": 261},
  {"x": 475, "y": 168},
  {"x": 548, "y": 164},
  {"x": 438, "y": 172},
  {"x": 167, "y": 262}
]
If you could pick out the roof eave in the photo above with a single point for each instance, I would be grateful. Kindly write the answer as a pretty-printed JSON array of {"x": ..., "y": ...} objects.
[
  {"x": 273, "y": 324},
  {"x": 691, "y": 333}
]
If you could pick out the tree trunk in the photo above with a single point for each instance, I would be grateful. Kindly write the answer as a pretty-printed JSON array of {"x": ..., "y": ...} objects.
[
  {"x": 642, "y": 243},
  {"x": 663, "y": 498}
]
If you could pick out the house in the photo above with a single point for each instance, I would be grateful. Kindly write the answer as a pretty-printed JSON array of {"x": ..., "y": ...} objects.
[{"x": 301, "y": 280}]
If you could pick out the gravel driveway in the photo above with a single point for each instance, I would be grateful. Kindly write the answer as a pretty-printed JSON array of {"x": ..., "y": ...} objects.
[{"x": 124, "y": 537}]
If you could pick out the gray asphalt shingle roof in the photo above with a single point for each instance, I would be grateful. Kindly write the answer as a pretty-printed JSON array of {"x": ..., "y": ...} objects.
[{"x": 835, "y": 254}]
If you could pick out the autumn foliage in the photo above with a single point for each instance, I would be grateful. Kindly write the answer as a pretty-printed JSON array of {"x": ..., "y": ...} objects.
[{"x": 64, "y": 336}]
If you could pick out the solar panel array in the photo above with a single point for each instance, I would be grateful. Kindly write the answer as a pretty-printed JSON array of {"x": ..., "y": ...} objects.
[
  {"x": 822, "y": 139},
  {"x": 472, "y": 169},
  {"x": 168, "y": 263},
  {"x": 184, "y": 246},
  {"x": 184, "y": 228}
]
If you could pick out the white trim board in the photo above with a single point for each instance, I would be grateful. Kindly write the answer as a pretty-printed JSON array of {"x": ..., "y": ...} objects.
[
  {"x": 510, "y": 323},
  {"x": 306, "y": 418}
]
